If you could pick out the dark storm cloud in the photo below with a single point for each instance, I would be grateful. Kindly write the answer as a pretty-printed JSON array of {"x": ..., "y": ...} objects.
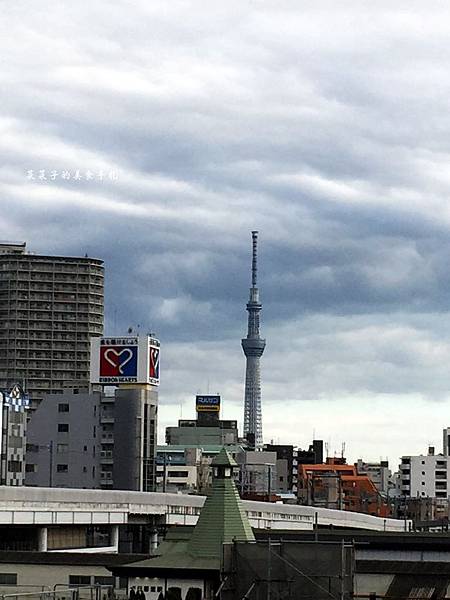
[{"x": 328, "y": 130}]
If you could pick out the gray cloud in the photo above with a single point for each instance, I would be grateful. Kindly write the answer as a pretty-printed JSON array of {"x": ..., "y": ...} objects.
[{"x": 326, "y": 129}]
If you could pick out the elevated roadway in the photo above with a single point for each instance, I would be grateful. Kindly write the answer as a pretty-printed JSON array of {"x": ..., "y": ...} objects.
[{"x": 64, "y": 506}]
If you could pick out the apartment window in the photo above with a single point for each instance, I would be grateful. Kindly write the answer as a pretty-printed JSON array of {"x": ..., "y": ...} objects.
[
  {"x": 79, "y": 579},
  {"x": 62, "y": 468},
  {"x": 14, "y": 466},
  {"x": 32, "y": 448},
  {"x": 61, "y": 448},
  {"x": 30, "y": 468},
  {"x": 123, "y": 582},
  {"x": 178, "y": 474},
  {"x": 63, "y": 408},
  {"x": 104, "y": 580},
  {"x": 8, "y": 578},
  {"x": 16, "y": 417},
  {"x": 63, "y": 427}
]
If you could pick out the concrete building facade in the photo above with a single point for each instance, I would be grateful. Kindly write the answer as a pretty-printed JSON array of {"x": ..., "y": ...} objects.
[
  {"x": 94, "y": 440},
  {"x": 207, "y": 429},
  {"x": 135, "y": 430},
  {"x": 188, "y": 433},
  {"x": 257, "y": 473},
  {"x": 378, "y": 472},
  {"x": 50, "y": 307},
  {"x": 286, "y": 467},
  {"x": 425, "y": 475},
  {"x": 63, "y": 441}
]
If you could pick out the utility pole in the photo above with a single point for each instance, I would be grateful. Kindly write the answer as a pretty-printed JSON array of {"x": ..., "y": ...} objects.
[
  {"x": 269, "y": 480},
  {"x": 342, "y": 594},
  {"x": 164, "y": 472},
  {"x": 50, "y": 449}
]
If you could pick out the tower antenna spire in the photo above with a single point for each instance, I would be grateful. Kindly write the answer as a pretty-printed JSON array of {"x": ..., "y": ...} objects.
[{"x": 254, "y": 258}]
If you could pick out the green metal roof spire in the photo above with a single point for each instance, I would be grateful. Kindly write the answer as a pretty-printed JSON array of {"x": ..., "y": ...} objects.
[{"x": 222, "y": 518}]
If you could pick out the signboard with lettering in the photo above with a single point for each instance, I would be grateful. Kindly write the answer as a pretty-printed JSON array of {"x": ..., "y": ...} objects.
[
  {"x": 127, "y": 359},
  {"x": 207, "y": 403}
]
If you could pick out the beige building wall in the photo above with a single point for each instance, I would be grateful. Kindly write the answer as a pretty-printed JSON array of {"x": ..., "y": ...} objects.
[
  {"x": 368, "y": 583},
  {"x": 45, "y": 577}
]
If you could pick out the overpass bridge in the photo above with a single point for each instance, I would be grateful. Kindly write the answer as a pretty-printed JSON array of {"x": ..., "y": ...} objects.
[{"x": 51, "y": 508}]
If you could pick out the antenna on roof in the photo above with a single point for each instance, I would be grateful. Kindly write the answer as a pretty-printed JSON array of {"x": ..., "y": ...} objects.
[{"x": 254, "y": 258}]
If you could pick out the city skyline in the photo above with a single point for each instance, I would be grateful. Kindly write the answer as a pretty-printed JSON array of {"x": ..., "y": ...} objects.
[{"x": 325, "y": 130}]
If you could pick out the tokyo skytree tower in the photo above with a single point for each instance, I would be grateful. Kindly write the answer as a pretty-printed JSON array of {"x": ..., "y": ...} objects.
[{"x": 253, "y": 347}]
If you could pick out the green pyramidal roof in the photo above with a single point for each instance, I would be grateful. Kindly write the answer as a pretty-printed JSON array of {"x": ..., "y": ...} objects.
[
  {"x": 222, "y": 518},
  {"x": 224, "y": 459}
]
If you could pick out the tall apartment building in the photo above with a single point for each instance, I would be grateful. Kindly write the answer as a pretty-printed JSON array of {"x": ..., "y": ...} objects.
[{"x": 50, "y": 307}]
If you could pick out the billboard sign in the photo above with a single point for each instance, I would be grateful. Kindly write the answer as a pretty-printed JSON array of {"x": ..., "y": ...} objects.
[
  {"x": 153, "y": 369},
  {"x": 207, "y": 403},
  {"x": 128, "y": 359},
  {"x": 16, "y": 399}
]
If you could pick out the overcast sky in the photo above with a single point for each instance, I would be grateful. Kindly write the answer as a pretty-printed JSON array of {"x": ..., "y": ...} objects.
[{"x": 325, "y": 125}]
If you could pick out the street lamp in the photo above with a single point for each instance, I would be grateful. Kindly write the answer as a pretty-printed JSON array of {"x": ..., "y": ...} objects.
[
  {"x": 269, "y": 479},
  {"x": 165, "y": 458}
]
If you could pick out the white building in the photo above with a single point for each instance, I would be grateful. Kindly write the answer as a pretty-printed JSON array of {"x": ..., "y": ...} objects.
[{"x": 424, "y": 475}]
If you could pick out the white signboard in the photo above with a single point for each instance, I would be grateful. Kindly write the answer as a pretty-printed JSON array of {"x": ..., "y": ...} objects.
[{"x": 125, "y": 359}]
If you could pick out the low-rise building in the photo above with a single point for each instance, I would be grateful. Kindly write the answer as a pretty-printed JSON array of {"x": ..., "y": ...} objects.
[
  {"x": 207, "y": 429},
  {"x": 94, "y": 440},
  {"x": 257, "y": 473},
  {"x": 339, "y": 486},
  {"x": 378, "y": 472},
  {"x": 286, "y": 467},
  {"x": 425, "y": 475},
  {"x": 187, "y": 469}
]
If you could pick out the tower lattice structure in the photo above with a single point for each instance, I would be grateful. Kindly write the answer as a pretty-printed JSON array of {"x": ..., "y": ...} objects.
[{"x": 253, "y": 346}]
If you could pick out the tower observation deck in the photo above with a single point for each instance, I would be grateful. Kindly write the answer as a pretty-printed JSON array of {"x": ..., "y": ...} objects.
[{"x": 253, "y": 346}]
